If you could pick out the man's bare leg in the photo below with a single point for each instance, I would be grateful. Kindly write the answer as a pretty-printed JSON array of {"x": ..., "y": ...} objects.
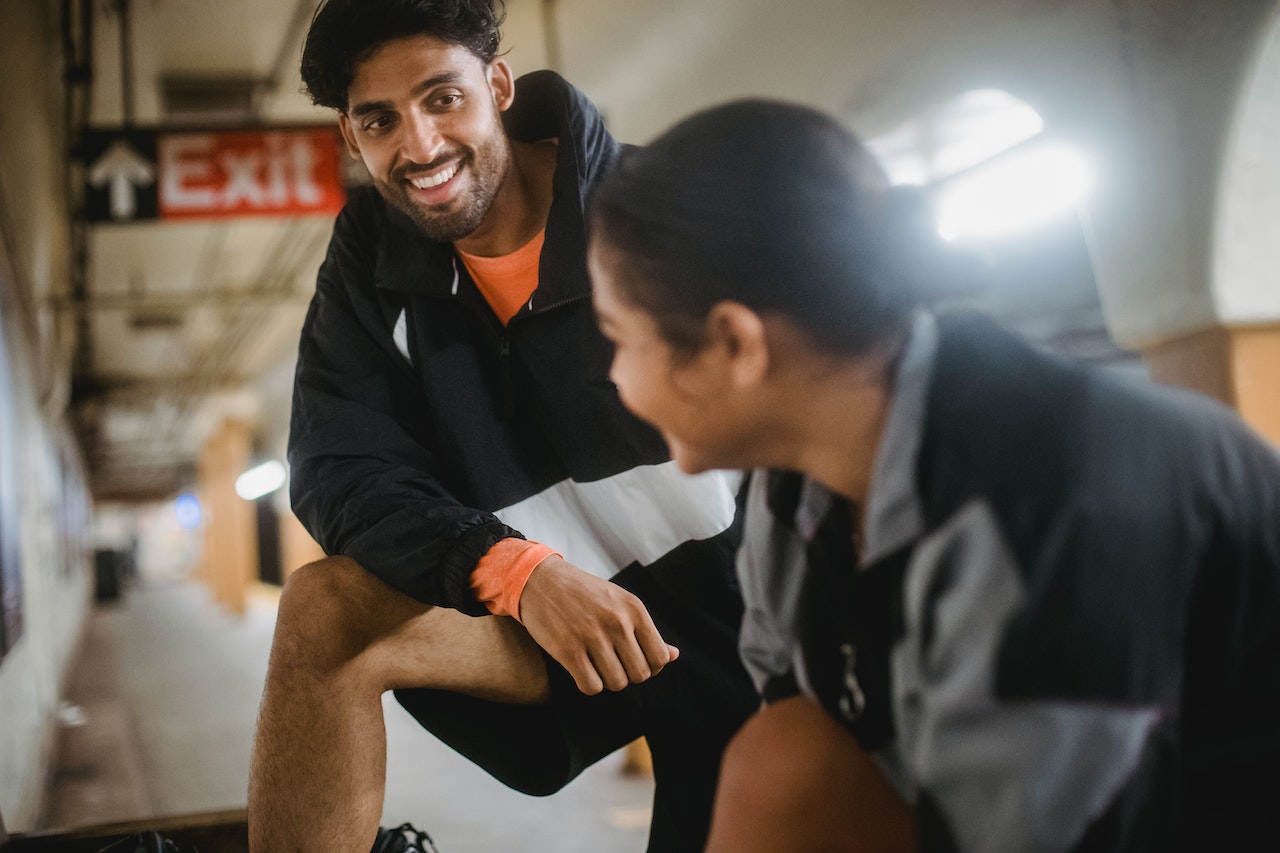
[{"x": 342, "y": 639}]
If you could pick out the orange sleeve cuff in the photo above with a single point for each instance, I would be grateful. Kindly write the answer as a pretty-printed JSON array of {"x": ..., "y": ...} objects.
[{"x": 500, "y": 576}]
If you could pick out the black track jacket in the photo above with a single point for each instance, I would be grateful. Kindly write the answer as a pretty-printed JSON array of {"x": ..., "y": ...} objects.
[{"x": 404, "y": 455}]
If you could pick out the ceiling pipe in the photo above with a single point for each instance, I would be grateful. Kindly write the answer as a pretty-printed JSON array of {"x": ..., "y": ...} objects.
[
  {"x": 551, "y": 33},
  {"x": 77, "y": 48},
  {"x": 153, "y": 301},
  {"x": 123, "y": 10},
  {"x": 286, "y": 56}
]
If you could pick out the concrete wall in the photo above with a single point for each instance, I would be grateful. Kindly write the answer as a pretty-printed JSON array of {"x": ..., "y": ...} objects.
[
  {"x": 1246, "y": 269},
  {"x": 1159, "y": 93},
  {"x": 45, "y": 502}
]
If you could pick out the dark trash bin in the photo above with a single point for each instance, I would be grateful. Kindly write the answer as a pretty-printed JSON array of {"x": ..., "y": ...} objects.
[{"x": 109, "y": 571}]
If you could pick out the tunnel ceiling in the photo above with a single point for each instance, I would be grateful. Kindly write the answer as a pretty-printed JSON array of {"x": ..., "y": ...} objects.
[{"x": 180, "y": 324}]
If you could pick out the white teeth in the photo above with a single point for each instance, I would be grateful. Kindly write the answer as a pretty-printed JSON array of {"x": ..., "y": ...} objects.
[{"x": 435, "y": 180}]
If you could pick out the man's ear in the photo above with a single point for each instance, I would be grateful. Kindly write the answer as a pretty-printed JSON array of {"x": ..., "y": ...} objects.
[
  {"x": 739, "y": 334},
  {"x": 348, "y": 136},
  {"x": 502, "y": 83}
]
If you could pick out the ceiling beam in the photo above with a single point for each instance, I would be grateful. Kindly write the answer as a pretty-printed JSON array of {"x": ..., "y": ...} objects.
[{"x": 177, "y": 301}]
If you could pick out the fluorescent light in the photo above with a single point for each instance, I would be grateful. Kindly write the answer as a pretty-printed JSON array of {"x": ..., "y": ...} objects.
[
  {"x": 957, "y": 135},
  {"x": 1018, "y": 191},
  {"x": 260, "y": 480}
]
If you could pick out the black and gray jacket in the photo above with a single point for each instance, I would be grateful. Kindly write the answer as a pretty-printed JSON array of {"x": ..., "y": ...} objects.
[
  {"x": 424, "y": 430},
  {"x": 1063, "y": 630}
]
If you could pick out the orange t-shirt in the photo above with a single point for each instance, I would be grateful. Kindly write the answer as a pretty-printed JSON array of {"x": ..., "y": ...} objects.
[{"x": 507, "y": 283}]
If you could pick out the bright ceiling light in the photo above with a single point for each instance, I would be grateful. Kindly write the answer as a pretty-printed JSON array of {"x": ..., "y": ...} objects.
[
  {"x": 954, "y": 136},
  {"x": 1016, "y": 192},
  {"x": 260, "y": 480}
]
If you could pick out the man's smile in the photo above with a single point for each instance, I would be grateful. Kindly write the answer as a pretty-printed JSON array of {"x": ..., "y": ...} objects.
[{"x": 435, "y": 179}]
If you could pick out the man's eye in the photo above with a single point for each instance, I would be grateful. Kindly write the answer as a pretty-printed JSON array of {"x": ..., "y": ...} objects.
[
  {"x": 377, "y": 123},
  {"x": 450, "y": 100}
]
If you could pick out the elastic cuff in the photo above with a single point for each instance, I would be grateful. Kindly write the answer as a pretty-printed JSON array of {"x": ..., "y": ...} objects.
[{"x": 501, "y": 574}]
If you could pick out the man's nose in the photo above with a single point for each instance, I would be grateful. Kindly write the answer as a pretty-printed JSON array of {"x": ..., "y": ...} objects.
[{"x": 422, "y": 141}]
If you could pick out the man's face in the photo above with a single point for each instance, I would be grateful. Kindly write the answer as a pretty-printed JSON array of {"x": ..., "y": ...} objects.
[{"x": 424, "y": 116}]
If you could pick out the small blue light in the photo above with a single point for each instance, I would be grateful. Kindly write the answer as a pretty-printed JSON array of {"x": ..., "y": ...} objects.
[{"x": 187, "y": 508}]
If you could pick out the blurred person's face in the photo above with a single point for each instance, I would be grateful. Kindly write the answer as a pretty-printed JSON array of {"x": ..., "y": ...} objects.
[
  {"x": 425, "y": 117},
  {"x": 700, "y": 401}
]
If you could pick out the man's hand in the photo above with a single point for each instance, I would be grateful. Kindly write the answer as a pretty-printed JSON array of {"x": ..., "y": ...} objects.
[{"x": 598, "y": 631}]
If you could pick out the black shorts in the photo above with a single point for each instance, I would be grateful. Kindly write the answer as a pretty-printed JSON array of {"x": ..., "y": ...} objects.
[{"x": 687, "y": 712}]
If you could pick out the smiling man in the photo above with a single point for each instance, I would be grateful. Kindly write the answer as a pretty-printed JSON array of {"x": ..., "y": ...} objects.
[
  {"x": 512, "y": 552},
  {"x": 435, "y": 147}
]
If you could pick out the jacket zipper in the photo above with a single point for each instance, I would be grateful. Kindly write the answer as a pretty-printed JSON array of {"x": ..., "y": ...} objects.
[
  {"x": 569, "y": 300},
  {"x": 504, "y": 362},
  {"x": 504, "y": 354}
]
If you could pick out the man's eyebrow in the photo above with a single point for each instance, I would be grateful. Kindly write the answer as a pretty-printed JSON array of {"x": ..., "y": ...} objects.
[{"x": 365, "y": 107}]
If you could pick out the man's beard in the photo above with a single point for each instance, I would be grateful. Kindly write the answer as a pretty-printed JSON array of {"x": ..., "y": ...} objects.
[{"x": 487, "y": 167}]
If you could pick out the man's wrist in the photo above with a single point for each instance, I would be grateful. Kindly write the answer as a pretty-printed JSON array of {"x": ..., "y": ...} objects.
[{"x": 500, "y": 576}]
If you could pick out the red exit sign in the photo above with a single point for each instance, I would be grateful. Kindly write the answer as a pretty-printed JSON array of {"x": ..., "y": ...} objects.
[{"x": 134, "y": 175}]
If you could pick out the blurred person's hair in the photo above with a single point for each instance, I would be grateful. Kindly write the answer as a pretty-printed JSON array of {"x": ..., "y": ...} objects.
[
  {"x": 345, "y": 33},
  {"x": 772, "y": 205}
]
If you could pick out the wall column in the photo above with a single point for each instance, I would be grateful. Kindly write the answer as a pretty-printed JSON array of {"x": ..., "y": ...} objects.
[
  {"x": 1187, "y": 256},
  {"x": 229, "y": 563},
  {"x": 1239, "y": 366}
]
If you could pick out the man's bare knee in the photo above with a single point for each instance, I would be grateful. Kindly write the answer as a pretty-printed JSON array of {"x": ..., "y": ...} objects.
[
  {"x": 336, "y": 616},
  {"x": 332, "y": 610}
]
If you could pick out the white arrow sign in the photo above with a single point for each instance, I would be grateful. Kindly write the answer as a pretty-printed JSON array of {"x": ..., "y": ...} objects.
[{"x": 122, "y": 168}]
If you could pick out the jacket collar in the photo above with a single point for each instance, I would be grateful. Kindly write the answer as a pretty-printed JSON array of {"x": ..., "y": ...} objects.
[{"x": 545, "y": 106}]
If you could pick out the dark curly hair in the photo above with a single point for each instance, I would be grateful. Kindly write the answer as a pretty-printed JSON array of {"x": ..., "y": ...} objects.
[{"x": 346, "y": 32}]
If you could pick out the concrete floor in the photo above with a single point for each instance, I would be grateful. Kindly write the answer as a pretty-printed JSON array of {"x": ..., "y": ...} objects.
[{"x": 159, "y": 721}]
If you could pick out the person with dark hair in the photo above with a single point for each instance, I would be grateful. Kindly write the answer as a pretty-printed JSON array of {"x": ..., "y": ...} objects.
[
  {"x": 996, "y": 600},
  {"x": 512, "y": 552}
]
